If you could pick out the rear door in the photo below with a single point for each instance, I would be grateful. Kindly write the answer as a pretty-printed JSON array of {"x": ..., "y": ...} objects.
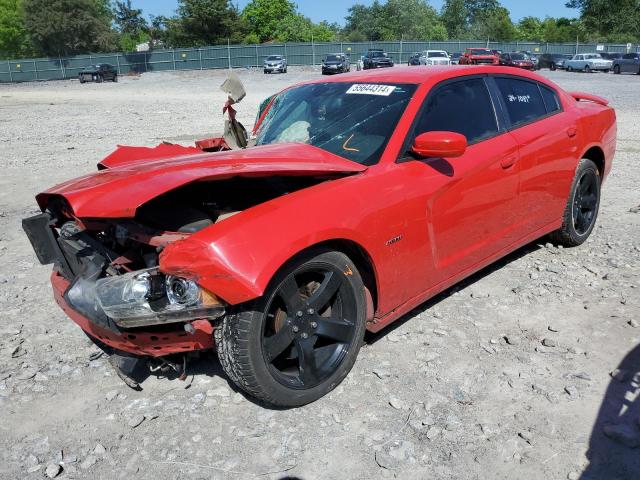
[{"x": 548, "y": 139}]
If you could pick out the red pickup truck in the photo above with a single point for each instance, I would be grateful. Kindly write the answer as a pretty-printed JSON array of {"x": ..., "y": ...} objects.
[{"x": 478, "y": 56}]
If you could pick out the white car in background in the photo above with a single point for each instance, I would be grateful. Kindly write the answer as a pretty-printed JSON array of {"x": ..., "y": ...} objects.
[
  {"x": 587, "y": 62},
  {"x": 435, "y": 57}
]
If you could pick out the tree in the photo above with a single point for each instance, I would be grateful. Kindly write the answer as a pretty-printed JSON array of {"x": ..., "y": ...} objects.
[
  {"x": 479, "y": 8},
  {"x": 530, "y": 28},
  {"x": 14, "y": 40},
  {"x": 454, "y": 18},
  {"x": 617, "y": 20},
  {"x": 494, "y": 24},
  {"x": 67, "y": 27},
  {"x": 129, "y": 20},
  {"x": 411, "y": 19},
  {"x": 267, "y": 17},
  {"x": 205, "y": 22}
]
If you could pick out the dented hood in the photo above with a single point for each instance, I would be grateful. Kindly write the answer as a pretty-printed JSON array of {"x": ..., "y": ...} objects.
[{"x": 118, "y": 192}]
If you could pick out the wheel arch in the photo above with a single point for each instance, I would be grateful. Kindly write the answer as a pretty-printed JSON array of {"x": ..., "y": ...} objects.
[
  {"x": 596, "y": 155},
  {"x": 358, "y": 255}
]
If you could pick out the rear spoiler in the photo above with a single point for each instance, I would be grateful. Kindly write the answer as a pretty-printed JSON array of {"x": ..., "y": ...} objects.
[{"x": 589, "y": 98}]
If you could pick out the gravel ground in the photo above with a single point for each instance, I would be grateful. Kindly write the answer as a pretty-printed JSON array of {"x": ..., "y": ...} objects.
[{"x": 530, "y": 369}]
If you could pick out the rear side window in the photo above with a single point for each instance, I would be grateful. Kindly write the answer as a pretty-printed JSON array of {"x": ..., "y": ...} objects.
[
  {"x": 463, "y": 107},
  {"x": 551, "y": 100},
  {"x": 523, "y": 100}
]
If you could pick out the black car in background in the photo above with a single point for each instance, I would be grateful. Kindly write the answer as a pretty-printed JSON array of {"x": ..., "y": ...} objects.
[
  {"x": 376, "y": 58},
  {"x": 414, "y": 59},
  {"x": 611, "y": 55},
  {"x": 335, "y": 63},
  {"x": 629, "y": 63},
  {"x": 455, "y": 58},
  {"x": 553, "y": 61},
  {"x": 98, "y": 73}
]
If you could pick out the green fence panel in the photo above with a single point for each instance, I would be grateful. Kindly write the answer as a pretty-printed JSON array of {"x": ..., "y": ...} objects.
[{"x": 252, "y": 56}]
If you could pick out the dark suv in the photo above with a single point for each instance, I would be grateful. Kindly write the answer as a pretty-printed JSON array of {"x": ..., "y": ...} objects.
[
  {"x": 335, "y": 63},
  {"x": 98, "y": 73},
  {"x": 376, "y": 58},
  {"x": 629, "y": 63}
]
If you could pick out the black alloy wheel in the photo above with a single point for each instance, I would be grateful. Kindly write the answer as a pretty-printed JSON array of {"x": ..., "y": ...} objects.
[
  {"x": 297, "y": 342},
  {"x": 581, "y": 211},
  {"x": 310, "y": 327},
  {"x": 585, "y": 202}
]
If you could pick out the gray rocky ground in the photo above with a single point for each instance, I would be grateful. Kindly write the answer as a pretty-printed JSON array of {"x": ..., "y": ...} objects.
[{"x": 520, "y": 372}]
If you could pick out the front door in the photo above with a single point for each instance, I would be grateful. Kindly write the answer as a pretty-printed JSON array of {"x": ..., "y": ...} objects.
[{"x": 472, "y": 203}]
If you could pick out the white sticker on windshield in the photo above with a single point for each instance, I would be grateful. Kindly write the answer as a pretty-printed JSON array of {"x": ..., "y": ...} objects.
[{"x": 371, "y": 89}]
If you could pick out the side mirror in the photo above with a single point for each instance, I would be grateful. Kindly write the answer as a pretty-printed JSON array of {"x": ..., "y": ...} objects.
[{"x": 439, "y": 145}]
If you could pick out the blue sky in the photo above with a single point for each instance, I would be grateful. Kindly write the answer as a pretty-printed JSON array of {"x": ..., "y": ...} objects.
[{"x": 336, "y": 10}]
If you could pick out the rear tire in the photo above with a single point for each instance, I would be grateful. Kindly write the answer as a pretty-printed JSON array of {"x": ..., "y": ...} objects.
[
  {"x": 300, "y": 340},
  {"x": 581, "y": 212},
  {"x": 587, "y": 69},
  {"x": 616, "y": 69},
  {"x": 569, "y": 69},
  {"x": 552, "y": 67},
  {"x": 115, "y": 79}
]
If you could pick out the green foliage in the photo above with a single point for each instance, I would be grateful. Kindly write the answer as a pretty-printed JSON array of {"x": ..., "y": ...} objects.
[
  {"x": 270, "y": 18},
  {"x": 129, "y": 20},
  {"x": 67, "y": 27},
  {"x": 409, "y": 19},
  {"x": 204, "y": 22},
  {"x": 454, "y": 17},
  {"x": 609, "y": 20},
  {"x": 14, "y": 40},
  {"x": 494, "y": 24}
]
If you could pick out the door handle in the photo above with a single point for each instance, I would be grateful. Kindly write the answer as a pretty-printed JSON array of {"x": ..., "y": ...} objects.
[
  {"x": 507, "y": 162},
  {"x": 572, "y": 132}
]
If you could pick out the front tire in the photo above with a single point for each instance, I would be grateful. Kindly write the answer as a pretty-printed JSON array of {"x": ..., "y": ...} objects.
[
  {"x": 616, "y": 69},
  {"x": 300, "y": 340},
  {"x": 553, "y": 67},
  {"x": 581, "y": 212},
  {"x": 587, "y": 69}
]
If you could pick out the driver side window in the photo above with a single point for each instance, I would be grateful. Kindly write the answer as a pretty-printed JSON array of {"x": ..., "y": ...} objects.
[{"x": 463, "y": 107}]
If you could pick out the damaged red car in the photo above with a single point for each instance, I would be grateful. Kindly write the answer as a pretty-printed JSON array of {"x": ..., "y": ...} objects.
[{"x": 358, "y": 199}]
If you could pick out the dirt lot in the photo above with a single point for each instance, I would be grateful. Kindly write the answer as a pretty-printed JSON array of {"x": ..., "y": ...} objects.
[{"x": 505, "y": 376}]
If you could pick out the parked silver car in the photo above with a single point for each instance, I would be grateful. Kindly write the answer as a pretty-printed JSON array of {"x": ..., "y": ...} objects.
[
  {"x": 587, "y": 62},
  {"x": 275, "y": 63}
]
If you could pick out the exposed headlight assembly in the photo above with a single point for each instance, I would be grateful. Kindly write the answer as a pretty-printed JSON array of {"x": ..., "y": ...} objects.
[{"x": 148, "y": 297}]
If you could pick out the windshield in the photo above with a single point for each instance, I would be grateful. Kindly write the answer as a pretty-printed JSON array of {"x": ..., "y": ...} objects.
[
  {"x": 518, "y": 56},
  {"x": 273, "y": 58},
  {"x": 377, "y": 54},
  {"x": 592, "y": 55},
  {"x": 436, "y": 54},
  {"x": 353, "y": 120},
  {"x": 481, "y": 51},
  {"x": 332, "y": 58}
]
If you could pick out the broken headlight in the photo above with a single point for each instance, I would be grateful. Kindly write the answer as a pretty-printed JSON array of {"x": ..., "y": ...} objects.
[{"x": 148, "y": 297}]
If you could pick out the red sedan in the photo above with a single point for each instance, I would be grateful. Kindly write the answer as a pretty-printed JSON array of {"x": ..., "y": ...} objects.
[
  {"x": 364, "y": 196},
  {"x": 517, "y": 59}
]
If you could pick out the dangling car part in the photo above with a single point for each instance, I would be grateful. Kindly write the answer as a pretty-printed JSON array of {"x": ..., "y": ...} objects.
[{"x": 364, "y": 196}]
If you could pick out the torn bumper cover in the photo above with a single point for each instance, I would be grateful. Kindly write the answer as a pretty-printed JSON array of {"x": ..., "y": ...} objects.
[
  {"x": 108, "y": 307},
  {"x": 155, "y": 344}
]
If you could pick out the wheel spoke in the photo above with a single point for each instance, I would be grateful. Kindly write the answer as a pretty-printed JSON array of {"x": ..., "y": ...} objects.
[
  {"x": 585, "y": 183},
  {"x": 290, "y": 294},
  {"x": 307, "y": 360},
  {"x": 325, "y": 292},
  {"x": 276, "y": 344},
  {"x": 588, "y": 201},
  {"x": 339, "y": 330}
]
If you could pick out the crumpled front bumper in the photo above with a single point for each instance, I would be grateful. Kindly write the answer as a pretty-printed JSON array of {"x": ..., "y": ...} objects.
[{"x": 138, "y": 342}]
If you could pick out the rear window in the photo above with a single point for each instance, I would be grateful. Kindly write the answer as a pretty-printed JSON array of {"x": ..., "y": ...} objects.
[
  {"x": 523, "y": 100},
  {"x": 551, "y": 100}
]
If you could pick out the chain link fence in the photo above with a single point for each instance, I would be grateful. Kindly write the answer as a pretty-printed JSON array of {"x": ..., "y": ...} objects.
[{"x": 252, "y": 56}]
